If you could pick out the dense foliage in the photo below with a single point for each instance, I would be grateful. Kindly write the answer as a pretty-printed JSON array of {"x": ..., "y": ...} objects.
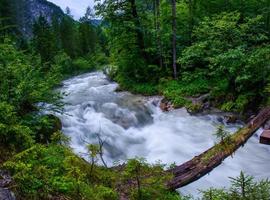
[
  {"x": 222, "y": 49},
  {"x": 219, "y": 47},
  {"x": 32, "y": 148}
]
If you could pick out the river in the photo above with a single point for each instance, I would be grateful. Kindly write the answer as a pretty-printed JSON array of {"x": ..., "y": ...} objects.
[{"x": 134, "y": 126}]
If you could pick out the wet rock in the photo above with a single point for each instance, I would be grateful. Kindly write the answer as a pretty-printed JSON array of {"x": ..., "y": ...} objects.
[
  {"x": 203, "y": 98},
  {"x": 200, "y": 99},
  {"x": 266, "y": 126},
  {"x": 231, "y": 118},
  {"x": 220, "y": 119},
  {"x": 5, "y": 194},
  {"x": 5, "y": 181},
  {"x": 199, "y": 103},
  {"x": 165, "y": 105},
  {"x": 195, "y": 108},
  {"x": 207, "y": 106}
]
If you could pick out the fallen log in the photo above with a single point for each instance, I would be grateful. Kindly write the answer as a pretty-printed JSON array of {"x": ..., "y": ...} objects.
[{"x": 204, "y": 163}]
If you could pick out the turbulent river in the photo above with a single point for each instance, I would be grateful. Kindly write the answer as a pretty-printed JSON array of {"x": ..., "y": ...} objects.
[{"x": 134, "y": 126}]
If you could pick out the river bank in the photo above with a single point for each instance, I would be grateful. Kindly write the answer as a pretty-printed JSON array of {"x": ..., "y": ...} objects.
[{"x": 195, "y": 101}]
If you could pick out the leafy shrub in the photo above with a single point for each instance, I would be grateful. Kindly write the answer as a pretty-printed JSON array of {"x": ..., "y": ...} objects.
[
  {"x": 22, "y": 85},
  {"x": 228, "y": 106},
  {"x": 242, "y": 188},
  {"x": 137, "y": 88},
  {"x": 64, "y": 62},
  {"x": 41, "y": 171},
  {"x": 82, "y": 65},
  {"x": 149, "y": 181}
]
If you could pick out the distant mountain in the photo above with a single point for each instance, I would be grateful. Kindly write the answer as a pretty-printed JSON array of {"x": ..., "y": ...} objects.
[{"x": 27, "y": 11}]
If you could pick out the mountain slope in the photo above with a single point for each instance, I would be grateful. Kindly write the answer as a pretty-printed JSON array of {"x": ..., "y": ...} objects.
[{"x": 27, "y": 11}]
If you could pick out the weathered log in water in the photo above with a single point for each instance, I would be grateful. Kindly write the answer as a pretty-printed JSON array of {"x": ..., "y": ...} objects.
[
  {"x": 208, "y": 160},
  {"x": 204, "y": 163}
]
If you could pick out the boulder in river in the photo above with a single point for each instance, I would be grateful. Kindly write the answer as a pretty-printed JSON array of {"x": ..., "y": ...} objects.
[
  {"x": 231, "y": 118},
  {"x": 165, "y": 105}
]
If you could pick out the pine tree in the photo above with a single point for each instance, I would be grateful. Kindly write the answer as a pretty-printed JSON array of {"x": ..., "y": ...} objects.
[
  {"x": 87, "y": 34},
  {"x": 44, "y": 40},
  {"x": 174, "y": 38},
  {"x": 68, "y": 35},
  {"x": 221, "y": 133}
]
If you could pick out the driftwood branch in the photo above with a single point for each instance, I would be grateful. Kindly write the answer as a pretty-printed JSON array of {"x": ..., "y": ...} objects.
[{"x": 101, "y": 143}]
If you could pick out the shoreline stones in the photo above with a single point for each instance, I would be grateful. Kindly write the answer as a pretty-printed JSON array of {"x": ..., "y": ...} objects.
[
  {"x": 5, "y": 194},
  {"x": 165, "y": 105},
  {"x": 201, "y": 105},
  {"x": 5, "y": 181}
]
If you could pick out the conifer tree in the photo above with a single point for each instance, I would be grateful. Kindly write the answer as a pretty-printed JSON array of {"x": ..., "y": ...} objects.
[{"x": 44, "y": 40}]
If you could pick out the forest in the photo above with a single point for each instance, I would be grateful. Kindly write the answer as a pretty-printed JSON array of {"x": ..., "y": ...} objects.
[{"x": 176, "y": 49}]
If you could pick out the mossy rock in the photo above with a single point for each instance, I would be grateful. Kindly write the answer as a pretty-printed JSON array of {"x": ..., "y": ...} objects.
[{"x": 195, "y": 107}]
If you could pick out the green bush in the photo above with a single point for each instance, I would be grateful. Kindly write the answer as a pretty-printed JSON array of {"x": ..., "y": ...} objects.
[
  {"x": 41, "y": 171},
  {"x": 64, "y": 63},
  {"x": 82, "y": 65},
  {"x": 242, "y": 188}
]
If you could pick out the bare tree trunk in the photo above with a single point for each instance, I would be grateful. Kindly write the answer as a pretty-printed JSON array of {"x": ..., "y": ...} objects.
[
  {"x": 92, "y": 165},
  {"x": 138, "y": 182},
  {"x": 174, "y": 38},
  {"x": 101, "y": 144}
]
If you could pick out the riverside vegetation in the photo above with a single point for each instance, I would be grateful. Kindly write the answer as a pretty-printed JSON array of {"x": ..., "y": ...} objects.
[{"x": 177, "y": 49}]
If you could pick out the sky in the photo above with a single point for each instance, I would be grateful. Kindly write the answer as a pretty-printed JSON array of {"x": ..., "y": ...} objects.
[{"x": 78, "y": 7}]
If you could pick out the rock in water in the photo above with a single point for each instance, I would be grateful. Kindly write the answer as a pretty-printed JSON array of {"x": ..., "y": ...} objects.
[
  {"x": 165, "y": 105},
  {"x": 231, "y": 118}
]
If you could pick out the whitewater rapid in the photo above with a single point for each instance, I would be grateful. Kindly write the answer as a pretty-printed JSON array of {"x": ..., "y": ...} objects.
[{"x": 134, "y": 126}]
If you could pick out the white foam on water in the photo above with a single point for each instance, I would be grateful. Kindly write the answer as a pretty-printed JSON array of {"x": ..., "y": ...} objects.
[{"x": 133, "y": 126}]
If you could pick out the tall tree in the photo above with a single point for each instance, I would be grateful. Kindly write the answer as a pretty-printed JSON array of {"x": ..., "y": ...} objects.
[
  {"x": 138, "y": 29},
  {"x": 44, "y": 40},
  {"x": 7, "y": 17},
  {"x": 68, "y": 35},
  {"x": 174, "y": 38},
  {"x": 191, "y": 20},
  {"x": 159, "y": 42},
  {"x": 87, "y": 35},
  {"x": 267, "y": 16}
]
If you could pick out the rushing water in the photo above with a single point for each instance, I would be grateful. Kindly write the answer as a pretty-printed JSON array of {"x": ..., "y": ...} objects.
[{"x": 134, "y": 126}]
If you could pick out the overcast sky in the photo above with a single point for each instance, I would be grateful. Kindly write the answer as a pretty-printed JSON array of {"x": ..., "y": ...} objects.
[{"x": 78, "y": 7}]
